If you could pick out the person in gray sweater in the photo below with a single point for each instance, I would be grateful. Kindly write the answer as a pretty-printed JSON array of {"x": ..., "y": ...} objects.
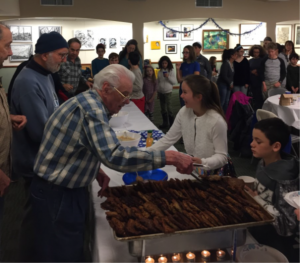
[
  {"x": 225, "y": 79},
  {"x": 33, "y": 95},
  {"x": 205, "y": 67}
]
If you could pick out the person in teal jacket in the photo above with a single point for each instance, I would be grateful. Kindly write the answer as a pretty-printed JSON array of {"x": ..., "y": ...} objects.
[
  {"x": 131, "y": 46},
  {"x": 100, "y": 62}
]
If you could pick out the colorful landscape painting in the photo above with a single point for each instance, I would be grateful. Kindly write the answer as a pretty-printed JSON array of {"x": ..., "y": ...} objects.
[{"x": 214, "y": 40}]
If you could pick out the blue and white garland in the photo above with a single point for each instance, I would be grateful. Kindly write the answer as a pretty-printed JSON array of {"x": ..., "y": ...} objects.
[{"x": 216, "y": 24}]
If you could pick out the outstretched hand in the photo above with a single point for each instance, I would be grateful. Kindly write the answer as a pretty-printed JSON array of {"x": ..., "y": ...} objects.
[{"x": 103, "y": 181}]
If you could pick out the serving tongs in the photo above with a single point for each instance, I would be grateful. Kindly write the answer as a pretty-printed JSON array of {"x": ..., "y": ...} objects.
[{"x": 195, "y": 175}]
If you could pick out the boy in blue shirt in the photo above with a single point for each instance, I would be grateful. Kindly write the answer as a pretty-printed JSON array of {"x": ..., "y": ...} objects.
[{"x": 277, "y": 174}]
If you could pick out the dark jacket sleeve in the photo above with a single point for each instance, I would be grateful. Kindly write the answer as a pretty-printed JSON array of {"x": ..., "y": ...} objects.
[
  {"x": 224, "y": 73},
  {"x": 208, "y": 69},
  {"x": 282, "y": 70},
  {"x": 261, "y": 71},
  {"x": 247, "y": 71}
]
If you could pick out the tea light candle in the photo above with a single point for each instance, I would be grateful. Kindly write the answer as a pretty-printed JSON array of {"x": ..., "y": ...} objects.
[
  {"x": 220, "y": 254},
  {"x": 176, "y": 258},
  {"x": 149, "y": 260},
  {"x": 190, "y": 257},
  {"x": 162, "y": 259},
  {"x": 205, "y": 254}
]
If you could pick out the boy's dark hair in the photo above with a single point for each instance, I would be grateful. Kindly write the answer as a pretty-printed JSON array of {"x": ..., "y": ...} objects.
[
  {"x": 294, "y": 55},
  {"x": 165, "y": 58},
  {"x": 268, "y": 39},
  {"x": 272, "y": 46},
  {"x": 100, "y": 46},
  {"x": 197, "y": 44},
  {"x": 275, "y": 130},
  {"x": 134, "y": 58},
  {"x": 74, "y": 40},
  {"x": 113, "y": 55}
]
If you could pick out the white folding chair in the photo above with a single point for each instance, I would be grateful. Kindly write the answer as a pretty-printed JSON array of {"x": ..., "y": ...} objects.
[{"x": 276, "y": 91}]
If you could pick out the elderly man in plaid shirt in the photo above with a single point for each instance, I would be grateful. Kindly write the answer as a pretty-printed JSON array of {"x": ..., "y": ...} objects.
[
  {"x": 70, "y": 71},
  {"x": 77, "y": 139}
]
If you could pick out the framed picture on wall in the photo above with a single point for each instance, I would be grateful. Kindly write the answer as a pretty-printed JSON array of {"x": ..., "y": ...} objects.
[
  {"x": 112, "y": 42},
  {"x": 123, "y": 41},
  {"x": 155, "y": 45},
  {"x": 214, "y": 40},
  {"x": 171, "y": 48},
  {"x": 283, "y": 33},
  {"x": 187, "y": 35},
  {"x": 168, "y": 34},
  {"x": 297, "y": 35},
  {"x": 253, "y": 38},
  {"x": 86, "y": 37},
  {"x": 48, "y": 29},
  {"x": 21, "y": 33},
  {"x": 246, "y": 53},
  {"x": 103, "y": 41},
  {"x": 21, "y": 52}
]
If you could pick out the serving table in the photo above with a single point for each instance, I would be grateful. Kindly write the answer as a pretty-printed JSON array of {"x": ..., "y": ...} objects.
[{"x": 107, "y": 249}]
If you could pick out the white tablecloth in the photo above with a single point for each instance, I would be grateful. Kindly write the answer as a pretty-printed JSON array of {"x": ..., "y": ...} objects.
[
  {"x": 289, "y": 114},
  {"x": 106, "y": 248}
]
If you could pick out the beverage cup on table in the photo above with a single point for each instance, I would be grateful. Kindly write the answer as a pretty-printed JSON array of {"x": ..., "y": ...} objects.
[{"x": 249, "y": 181}]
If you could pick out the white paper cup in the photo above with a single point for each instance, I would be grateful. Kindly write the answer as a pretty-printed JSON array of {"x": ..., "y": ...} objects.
[{"x": 249, "y": 181}]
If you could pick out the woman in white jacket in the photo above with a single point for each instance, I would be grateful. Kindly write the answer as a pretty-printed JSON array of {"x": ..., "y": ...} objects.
[
  {"x": 201, "y": 123},
  {"x": 166, "y": 78}
]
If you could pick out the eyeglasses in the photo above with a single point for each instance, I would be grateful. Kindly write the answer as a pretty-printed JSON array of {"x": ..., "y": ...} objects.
[
  {"x": 185, "y": 52},
  {"x": 124, "y": 97},
  {"x": 63, "y": 55}
]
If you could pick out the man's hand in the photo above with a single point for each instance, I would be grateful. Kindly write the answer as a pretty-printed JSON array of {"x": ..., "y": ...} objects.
[
  {"x": 4, "y": 183},
  {"x": 103, "y": 181},
  {"x": 67, "y": 87},
  {"x": 277, "y": 84},
  {"x": 90, "y": 84},
  {"x": 254, "y": 72},
  {"x": 264, "y": 87},
  {"x": 246, "y": 86},
  {"x": 181, "y": 161},
  {"x": 297, "y": 212},
  {"x": 18, "y": 121}
]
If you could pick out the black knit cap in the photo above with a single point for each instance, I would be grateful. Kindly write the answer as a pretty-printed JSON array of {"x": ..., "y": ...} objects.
[{"x": 49, "y": 42}]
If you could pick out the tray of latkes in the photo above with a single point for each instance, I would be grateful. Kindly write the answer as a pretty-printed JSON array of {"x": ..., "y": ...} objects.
[{"x": 174, "y": 207}]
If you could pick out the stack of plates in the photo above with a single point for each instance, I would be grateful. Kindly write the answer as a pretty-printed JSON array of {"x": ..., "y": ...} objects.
[
  {"x": 293, "y": 198},
  {"x": 259, "y": 253}
]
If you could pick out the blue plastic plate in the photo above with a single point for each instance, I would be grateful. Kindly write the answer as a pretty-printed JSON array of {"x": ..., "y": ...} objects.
[{"x": 156, "y": 175}]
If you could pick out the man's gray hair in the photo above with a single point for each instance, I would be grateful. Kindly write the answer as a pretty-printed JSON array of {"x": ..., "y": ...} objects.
[
  {"x": 2, "y": 25},
  {"x": 113, "y": 74}
]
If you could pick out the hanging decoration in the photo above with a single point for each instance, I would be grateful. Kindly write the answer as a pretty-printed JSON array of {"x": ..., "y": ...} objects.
[{"x": 216, "y": 24}]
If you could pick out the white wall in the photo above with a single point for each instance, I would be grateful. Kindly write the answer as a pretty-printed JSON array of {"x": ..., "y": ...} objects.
[
  {"x": 155, "y": 33},
  {"x": 105, "y": 29}
]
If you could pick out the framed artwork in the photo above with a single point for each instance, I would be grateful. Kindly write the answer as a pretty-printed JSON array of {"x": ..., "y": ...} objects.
[
  {"x": 113, "y": 42},
  {"x": 155, "y": 45},
  {"x": 21, "y": 33},
  {"x": 187, "y": 35},
  {"x": 123, "y": 41},
  {"x": 182, "y": 45},
  {"x": 283, "y": 33},
  {"x": 20, "y": 52},
  {"x": 102, "y": 41},
  {"x": 255, "y": 37},
  {"x": 48, "y": 29},
  {"x": 214, "y": 40},
  {"x": 168, "y": 34},
  {"x": 171, "y": 48},
  {"x": 297, "y": 35},
  {"x": 246, "y": 53},
  {"x": 86, "y": 37}
]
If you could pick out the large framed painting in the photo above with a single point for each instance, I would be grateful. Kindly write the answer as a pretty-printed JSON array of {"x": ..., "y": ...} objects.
[
  {"x": 253, "y": 38},
  {"x": 215, "y": 40},
  {"x": 283, "y": 33},
  {"x": 86, "y": 37},
  {"x": 21, "y": 33},
  {"x": 297, "y": 35},
  {"x": 20, "y": 52},
  {"x": 187, "y": 35},
  {"x": 168, "y": 34},
  {"x": 48, "y": 29}
]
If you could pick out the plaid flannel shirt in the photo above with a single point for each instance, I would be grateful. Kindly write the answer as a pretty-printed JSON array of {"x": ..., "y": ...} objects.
[
  {"x": 77, "y": 139},
  {"x": 70, "y": 73}
]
